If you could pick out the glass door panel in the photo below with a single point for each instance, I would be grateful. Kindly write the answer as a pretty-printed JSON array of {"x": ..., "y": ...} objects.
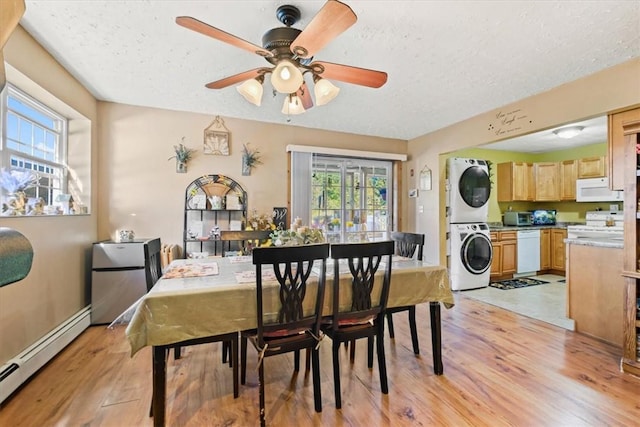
[{"x": 350, "y": 200}]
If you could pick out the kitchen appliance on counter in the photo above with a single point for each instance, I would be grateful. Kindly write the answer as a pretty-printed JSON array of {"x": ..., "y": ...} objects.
[
  {"x": 596, "y": 190},
  {"x": 517, "y": 218},
  {"x": 117, "y": 277},
  {"x": 599, "y": 224},
  {"x": 543, "y": 217}
]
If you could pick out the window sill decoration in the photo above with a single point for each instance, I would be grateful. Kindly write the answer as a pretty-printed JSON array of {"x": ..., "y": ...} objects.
[
  {"x": 250, "y": 159},
  {"x": 182, "y": 156},
  {"x": 15, "y": 183}
]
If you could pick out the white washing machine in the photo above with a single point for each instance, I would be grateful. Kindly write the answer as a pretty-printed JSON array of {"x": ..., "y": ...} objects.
[
  {"x": 470, "y": 256},
  {"x": 468, "y": 190}
]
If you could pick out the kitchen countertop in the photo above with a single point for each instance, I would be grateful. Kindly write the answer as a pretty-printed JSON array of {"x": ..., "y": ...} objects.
[
  {"x": 598, "y": 242},
  {"x": 500, "y": 227}
]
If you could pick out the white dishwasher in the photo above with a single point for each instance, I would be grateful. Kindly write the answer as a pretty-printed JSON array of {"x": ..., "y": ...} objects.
[{"x": 528, "y": 251}]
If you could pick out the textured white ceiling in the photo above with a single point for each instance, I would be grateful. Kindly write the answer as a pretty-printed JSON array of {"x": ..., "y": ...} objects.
[{"x": 447, "y": 60}]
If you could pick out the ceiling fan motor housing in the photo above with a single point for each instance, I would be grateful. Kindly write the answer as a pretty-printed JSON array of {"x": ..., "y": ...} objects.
[{"x": 278, "y": 40}]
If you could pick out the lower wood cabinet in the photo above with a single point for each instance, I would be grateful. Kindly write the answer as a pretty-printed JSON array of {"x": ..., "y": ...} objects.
[
  {"x": 596, "y": 291},
  {"x": 505, "y": 255},
  {"x": 558, "y": 250},
  {"x": 545, "y": 249}
]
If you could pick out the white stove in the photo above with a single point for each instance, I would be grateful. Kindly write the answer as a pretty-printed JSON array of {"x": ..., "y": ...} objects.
[{"x": 600, "y": 224}]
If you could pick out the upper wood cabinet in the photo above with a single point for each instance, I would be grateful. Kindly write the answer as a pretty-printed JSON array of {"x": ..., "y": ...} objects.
[
  {"x": 568, "y": 175},
  {"x": 616, "y": 146},
  {"x": 515, "y": 182},
  {"x": 592, "y": 167},
  {"x": 547, "y": 176}
]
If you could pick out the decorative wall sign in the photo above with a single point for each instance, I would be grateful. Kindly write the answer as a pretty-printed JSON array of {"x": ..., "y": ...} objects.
[
  {"x": 509, "y": 122},
  {"x": 280, "y": 218},
  {"x": 217, "y": 138},
  {"x": 425, "y": 178}
]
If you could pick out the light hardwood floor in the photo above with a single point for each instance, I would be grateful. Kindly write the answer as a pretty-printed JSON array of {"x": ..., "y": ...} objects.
[{"x": 500, "y": 369}]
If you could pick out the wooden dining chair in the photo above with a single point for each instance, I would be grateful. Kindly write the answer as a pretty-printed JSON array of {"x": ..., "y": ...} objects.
[
  {"x": 365, "y": 316},
  {"x": 297, "y": 323},
  {"x": 408, "y": 245}
]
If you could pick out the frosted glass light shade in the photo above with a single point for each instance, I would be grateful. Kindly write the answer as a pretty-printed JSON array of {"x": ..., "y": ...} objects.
[
  {"x": 292, "y": 105},
  {"x": 286, "y": 77},
  {"x": 325, "y": 91},
  {"x": 568, "y": 132},
  {"x": 252, "y": 91}
]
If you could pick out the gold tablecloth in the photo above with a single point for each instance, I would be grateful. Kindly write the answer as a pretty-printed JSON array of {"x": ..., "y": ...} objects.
[{"x": 191, "y": 307}]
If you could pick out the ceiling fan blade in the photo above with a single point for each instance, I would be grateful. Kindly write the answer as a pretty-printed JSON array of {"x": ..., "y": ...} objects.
[
  {"x": 223, "y": 36},
  {"x": 349, "y": 74},
  {"x": 305, "y": 96},
  {"x": 331, "y": 21},
  {"x": 237, "y": 78}
]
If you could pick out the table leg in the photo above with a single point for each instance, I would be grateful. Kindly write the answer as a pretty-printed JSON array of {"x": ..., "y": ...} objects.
[
  {"x": 159, "y": 394},
  {"x": 436, "y": 337}
]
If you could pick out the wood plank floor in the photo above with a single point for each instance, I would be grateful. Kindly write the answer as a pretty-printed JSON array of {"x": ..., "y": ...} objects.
[{"x": 500, "y": 369}]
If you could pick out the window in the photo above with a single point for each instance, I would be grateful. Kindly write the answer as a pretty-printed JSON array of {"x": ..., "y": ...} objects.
[
  {"x": 349, "y": 198},
  {"x": 32, "y": 156}
]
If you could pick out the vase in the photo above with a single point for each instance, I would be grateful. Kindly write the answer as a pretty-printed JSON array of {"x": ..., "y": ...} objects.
[
  {"x": 246, "y": 169},
  {"x": 181, "y": 167}
]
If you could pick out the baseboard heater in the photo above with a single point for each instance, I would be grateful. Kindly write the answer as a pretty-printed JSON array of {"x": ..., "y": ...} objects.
[{"x": 19, "y": 369}]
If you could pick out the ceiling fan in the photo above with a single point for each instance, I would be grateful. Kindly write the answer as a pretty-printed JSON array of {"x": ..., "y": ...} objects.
[{"x": 291, "y": 51}]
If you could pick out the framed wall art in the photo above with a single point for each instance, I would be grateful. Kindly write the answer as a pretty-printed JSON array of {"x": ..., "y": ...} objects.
[{"x": 217, "y": 138}]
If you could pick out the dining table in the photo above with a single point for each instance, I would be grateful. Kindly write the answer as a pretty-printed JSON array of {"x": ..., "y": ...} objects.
[{"x": 197, "y": 298}]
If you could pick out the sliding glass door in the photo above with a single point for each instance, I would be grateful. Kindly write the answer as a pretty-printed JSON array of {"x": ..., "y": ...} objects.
[{"x": 350, "y": 198}]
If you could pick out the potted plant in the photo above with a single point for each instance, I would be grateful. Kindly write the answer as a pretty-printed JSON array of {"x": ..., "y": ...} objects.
[
  {"x": 250, "y": 159},
  {"x": 182, "y": 156}
]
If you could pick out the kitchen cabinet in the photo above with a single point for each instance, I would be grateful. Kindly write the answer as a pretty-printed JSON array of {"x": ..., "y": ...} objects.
[
  {"x": 616, "y": 146},
  {"x": 568, "y": 176},
  {"x": 515, "y": 181},
  {"x": 504, "y": 261},
  {"x": 545, "y": 249},
  {"x": 212, "y": 201},
  {"x": 631, "y": 273},
  {"x": 558, "y": 254},
  {"x": 547, "y": 176},
  {"x": 592, "y": 167},
  {"x": 595, "y": 291}
]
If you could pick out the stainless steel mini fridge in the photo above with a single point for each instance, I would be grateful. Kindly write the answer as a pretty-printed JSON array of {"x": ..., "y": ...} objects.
[{"x": 117, "y": 278}]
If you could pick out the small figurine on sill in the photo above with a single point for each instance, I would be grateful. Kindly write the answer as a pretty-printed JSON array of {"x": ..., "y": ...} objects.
[{"x": 215, "y": 233}]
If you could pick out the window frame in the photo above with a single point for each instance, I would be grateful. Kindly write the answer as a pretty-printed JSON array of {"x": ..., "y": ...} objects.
[{"x": 50, "y": 184}]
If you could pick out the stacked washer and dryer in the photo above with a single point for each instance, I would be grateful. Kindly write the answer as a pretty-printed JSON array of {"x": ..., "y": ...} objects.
[{"x": 468, "y": 189}]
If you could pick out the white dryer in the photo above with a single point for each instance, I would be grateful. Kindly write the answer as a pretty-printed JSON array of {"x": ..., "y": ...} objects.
[
  {"x": 470, "y": 256},
  {"x": 468, "y": 190}
]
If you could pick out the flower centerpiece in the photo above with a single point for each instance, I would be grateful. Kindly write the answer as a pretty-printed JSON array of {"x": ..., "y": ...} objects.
[
  {"x": 302, "y": 236},
  {"x": 182, "y": 156},
  {"x": 16, "y": 183},
  {"x": 259, "y": 221}
]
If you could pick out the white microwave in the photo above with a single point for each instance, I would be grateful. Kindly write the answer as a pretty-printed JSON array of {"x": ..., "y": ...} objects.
[{"x": 596, "y": 190}]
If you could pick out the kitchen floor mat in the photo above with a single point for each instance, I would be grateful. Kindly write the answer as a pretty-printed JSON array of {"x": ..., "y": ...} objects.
[{"x": 516, "y": 283}]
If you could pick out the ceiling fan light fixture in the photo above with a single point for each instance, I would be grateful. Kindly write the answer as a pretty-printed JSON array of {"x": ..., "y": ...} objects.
[
  {"x": 286, "y": 77},
  {"x": 252, "y": 90},
  {"x": 568, "y": 132},
  {"x": 324, "y": 91},
  {"x": 292, "y": 105}
]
